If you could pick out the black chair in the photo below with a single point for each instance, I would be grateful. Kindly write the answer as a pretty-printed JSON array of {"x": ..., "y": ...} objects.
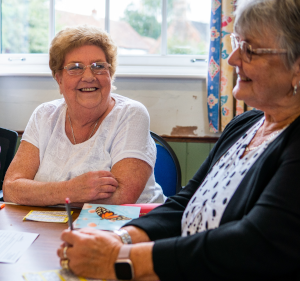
[
  {"x": 8, "y": 142},
  {"x": 167, "y": 170}
]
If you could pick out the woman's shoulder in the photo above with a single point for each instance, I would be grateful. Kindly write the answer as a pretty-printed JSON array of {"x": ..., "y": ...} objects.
[
  {"x": 51, "y": 107},
  {"x": 128, "y": 105}
]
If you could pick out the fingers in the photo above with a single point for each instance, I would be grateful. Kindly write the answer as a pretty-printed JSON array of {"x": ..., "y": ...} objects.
[
  {"x": 101, "y": 196},
  {"x": 96, "y": 179},
  {"x": 62, "y": 252},
  {"x": 59, "y": 252},
  {"x": 107, "y": 189},
  {"x": 106, "y": 178},
  {"x": 90, "y": 231},
  {"x": 93, "y": 186},
  {"x": 103, "y": 174},
  {"x": 108, "y": 181},
  {"x": 65, "y": 264},
  {"x": 99, "y": 234},
  {"x": 69, "y": 237}
]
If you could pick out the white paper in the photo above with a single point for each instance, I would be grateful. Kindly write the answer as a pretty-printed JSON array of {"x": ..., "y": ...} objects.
[
  {"x": 55, "y": 275},
  {"x": 13, "y": 244}
]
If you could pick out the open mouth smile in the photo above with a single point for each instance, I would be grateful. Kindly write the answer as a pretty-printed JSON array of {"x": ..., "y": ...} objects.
[
  {"x": 244, "y": 78},
  {"x": 88, "y": 89}
]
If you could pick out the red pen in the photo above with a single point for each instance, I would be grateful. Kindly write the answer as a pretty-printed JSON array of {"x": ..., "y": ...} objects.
[
  {"x": 2, "y": 206},
  {"x": 69, "y": 213}
]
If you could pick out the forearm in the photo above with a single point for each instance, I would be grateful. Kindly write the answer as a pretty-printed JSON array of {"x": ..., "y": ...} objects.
[
  {"x": 141, "y": 254},
  {"x": 31, "y": 192},
  {"x": 122, "y": 195},
  {"x": 137, "y": 234},
  {"x": 141, "y": 257},
  {"x": 132, "y": 176}
]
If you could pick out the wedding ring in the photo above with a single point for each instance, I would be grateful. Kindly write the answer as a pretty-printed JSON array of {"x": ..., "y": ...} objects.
[
  {"x": 65, "y": 264},
  {"x": 65, "y": 252}
]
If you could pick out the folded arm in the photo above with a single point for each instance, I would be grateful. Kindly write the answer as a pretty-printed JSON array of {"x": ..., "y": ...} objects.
[
  {"x": 132, "y": 176},
  {"x": 123, "y": 184},
  {"x": 21, "y": 188}
]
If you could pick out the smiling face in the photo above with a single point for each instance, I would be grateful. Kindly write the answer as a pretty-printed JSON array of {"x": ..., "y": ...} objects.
[
  {"x": 265, "y": 82},
  {"x": 87, "y": 90}
]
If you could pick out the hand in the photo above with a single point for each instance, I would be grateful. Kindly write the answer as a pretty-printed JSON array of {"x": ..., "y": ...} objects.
[
  {"x": 91, "y": 253},
  {"x": 92, "y": 186}
]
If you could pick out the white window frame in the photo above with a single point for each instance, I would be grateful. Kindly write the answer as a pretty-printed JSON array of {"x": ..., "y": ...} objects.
[{"x": 161, "y": 66}]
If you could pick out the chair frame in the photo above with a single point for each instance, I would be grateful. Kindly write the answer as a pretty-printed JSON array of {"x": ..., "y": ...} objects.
[
  {"x": 13, "y": 138},
  {"x": 163, "y": 143}
]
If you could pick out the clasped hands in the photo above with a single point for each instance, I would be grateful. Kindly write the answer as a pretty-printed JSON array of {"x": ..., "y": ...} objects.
[{"x": 92, "y": 186}]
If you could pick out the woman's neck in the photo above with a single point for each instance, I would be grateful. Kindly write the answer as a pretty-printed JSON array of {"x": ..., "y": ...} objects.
[
  {"x": 275, "y": 122},
  {"x": 87, "y": 117},
  {"x": 81, "y": 125}
]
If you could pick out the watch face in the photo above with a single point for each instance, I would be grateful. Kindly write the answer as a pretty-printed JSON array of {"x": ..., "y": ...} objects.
[{"x": 123, "y": 270}]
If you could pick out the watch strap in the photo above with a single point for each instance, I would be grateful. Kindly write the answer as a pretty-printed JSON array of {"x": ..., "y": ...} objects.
[
  {"x": 123, "y": 259},
  {"x": 124, "y": 235},
  {"x": 124, "y": 252}
]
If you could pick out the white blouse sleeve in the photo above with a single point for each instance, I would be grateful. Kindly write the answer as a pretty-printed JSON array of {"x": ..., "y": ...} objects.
[
  {"x": 31, "y": 133},
  {"x": 133, "y": 139}
]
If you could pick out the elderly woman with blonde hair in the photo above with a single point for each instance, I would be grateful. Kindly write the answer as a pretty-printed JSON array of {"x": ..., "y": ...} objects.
[{"x": 91, "y": 145}]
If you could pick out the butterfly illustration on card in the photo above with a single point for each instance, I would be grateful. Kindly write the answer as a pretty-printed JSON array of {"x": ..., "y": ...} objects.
[{"x": 106, "y": 214}]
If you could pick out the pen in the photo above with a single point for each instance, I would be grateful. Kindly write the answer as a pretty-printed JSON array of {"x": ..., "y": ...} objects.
[
  {"x": 2, "y": 206},
  {"x": 69, "y": 213}
]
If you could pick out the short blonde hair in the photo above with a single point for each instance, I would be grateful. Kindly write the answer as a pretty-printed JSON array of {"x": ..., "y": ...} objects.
[{"x": 76, "y": 36}]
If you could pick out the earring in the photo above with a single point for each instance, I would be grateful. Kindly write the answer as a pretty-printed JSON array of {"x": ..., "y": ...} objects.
[{"x": 295, "y": 90}]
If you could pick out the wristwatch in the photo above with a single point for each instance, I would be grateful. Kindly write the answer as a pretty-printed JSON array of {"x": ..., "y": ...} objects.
[
  {"x": 124, "y": 235},
  {"x": 123, "y": 264}
]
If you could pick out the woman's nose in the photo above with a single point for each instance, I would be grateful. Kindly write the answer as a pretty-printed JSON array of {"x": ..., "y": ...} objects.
[
  {"x": 88, "y": 75},
  {"x": 235, "y": 58}
]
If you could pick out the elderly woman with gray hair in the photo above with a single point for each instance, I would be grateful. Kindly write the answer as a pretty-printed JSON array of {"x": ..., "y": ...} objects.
[
  {"x": 239, "y": 217},
  {"x": 91, "y": 145}
]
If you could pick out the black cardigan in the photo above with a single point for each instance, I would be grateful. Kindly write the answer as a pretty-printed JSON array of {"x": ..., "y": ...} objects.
[{"x": 259, "y": 233}]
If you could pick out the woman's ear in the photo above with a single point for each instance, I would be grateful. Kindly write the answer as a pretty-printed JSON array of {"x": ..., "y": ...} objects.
[
  {"x": 296, "y": 78},
  {"x": 58, "y": 78}
]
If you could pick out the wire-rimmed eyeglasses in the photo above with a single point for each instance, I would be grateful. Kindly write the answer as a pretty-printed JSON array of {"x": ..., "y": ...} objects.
[
  {"x": 246, "y": 49},
  {"x": 78, "y": 68}
]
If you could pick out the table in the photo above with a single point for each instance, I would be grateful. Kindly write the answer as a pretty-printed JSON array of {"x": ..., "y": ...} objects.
[{"x": 41, "y": 255}]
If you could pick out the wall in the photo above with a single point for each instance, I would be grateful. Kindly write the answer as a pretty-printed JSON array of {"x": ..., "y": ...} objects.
[{"x": 176, "y": 107}]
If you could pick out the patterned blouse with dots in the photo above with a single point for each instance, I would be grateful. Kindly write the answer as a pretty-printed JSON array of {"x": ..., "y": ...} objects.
[{"x": 206, "y": 207}]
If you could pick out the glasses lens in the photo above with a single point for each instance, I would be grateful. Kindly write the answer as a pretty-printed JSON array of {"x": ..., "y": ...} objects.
[
  {"x": 75, "y": 68},
  {"x": 246, "y": 51},
  {"x": 234, "y": 42},
  {"x": 99, "y": 67}
]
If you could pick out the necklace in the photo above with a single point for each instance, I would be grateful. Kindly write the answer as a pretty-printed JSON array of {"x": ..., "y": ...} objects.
[
  {"x": 255, "y": 147},
  {"x": 73, "y": 131}
]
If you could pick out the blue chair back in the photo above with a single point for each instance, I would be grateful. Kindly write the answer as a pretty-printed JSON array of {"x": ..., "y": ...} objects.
[{"x": 167, "y": 170}]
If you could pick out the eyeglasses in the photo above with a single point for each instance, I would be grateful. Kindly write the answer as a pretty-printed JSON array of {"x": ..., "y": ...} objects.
[
  {"x": 246, "y": 50},
  {"x": 79, "y": 68}
]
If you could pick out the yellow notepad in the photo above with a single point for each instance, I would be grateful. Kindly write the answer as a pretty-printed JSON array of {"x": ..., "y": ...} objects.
[{"x": 47, "y": 216}]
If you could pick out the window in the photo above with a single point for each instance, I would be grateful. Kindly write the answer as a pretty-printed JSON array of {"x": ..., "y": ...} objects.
[{"x": 153, "y": 36}]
